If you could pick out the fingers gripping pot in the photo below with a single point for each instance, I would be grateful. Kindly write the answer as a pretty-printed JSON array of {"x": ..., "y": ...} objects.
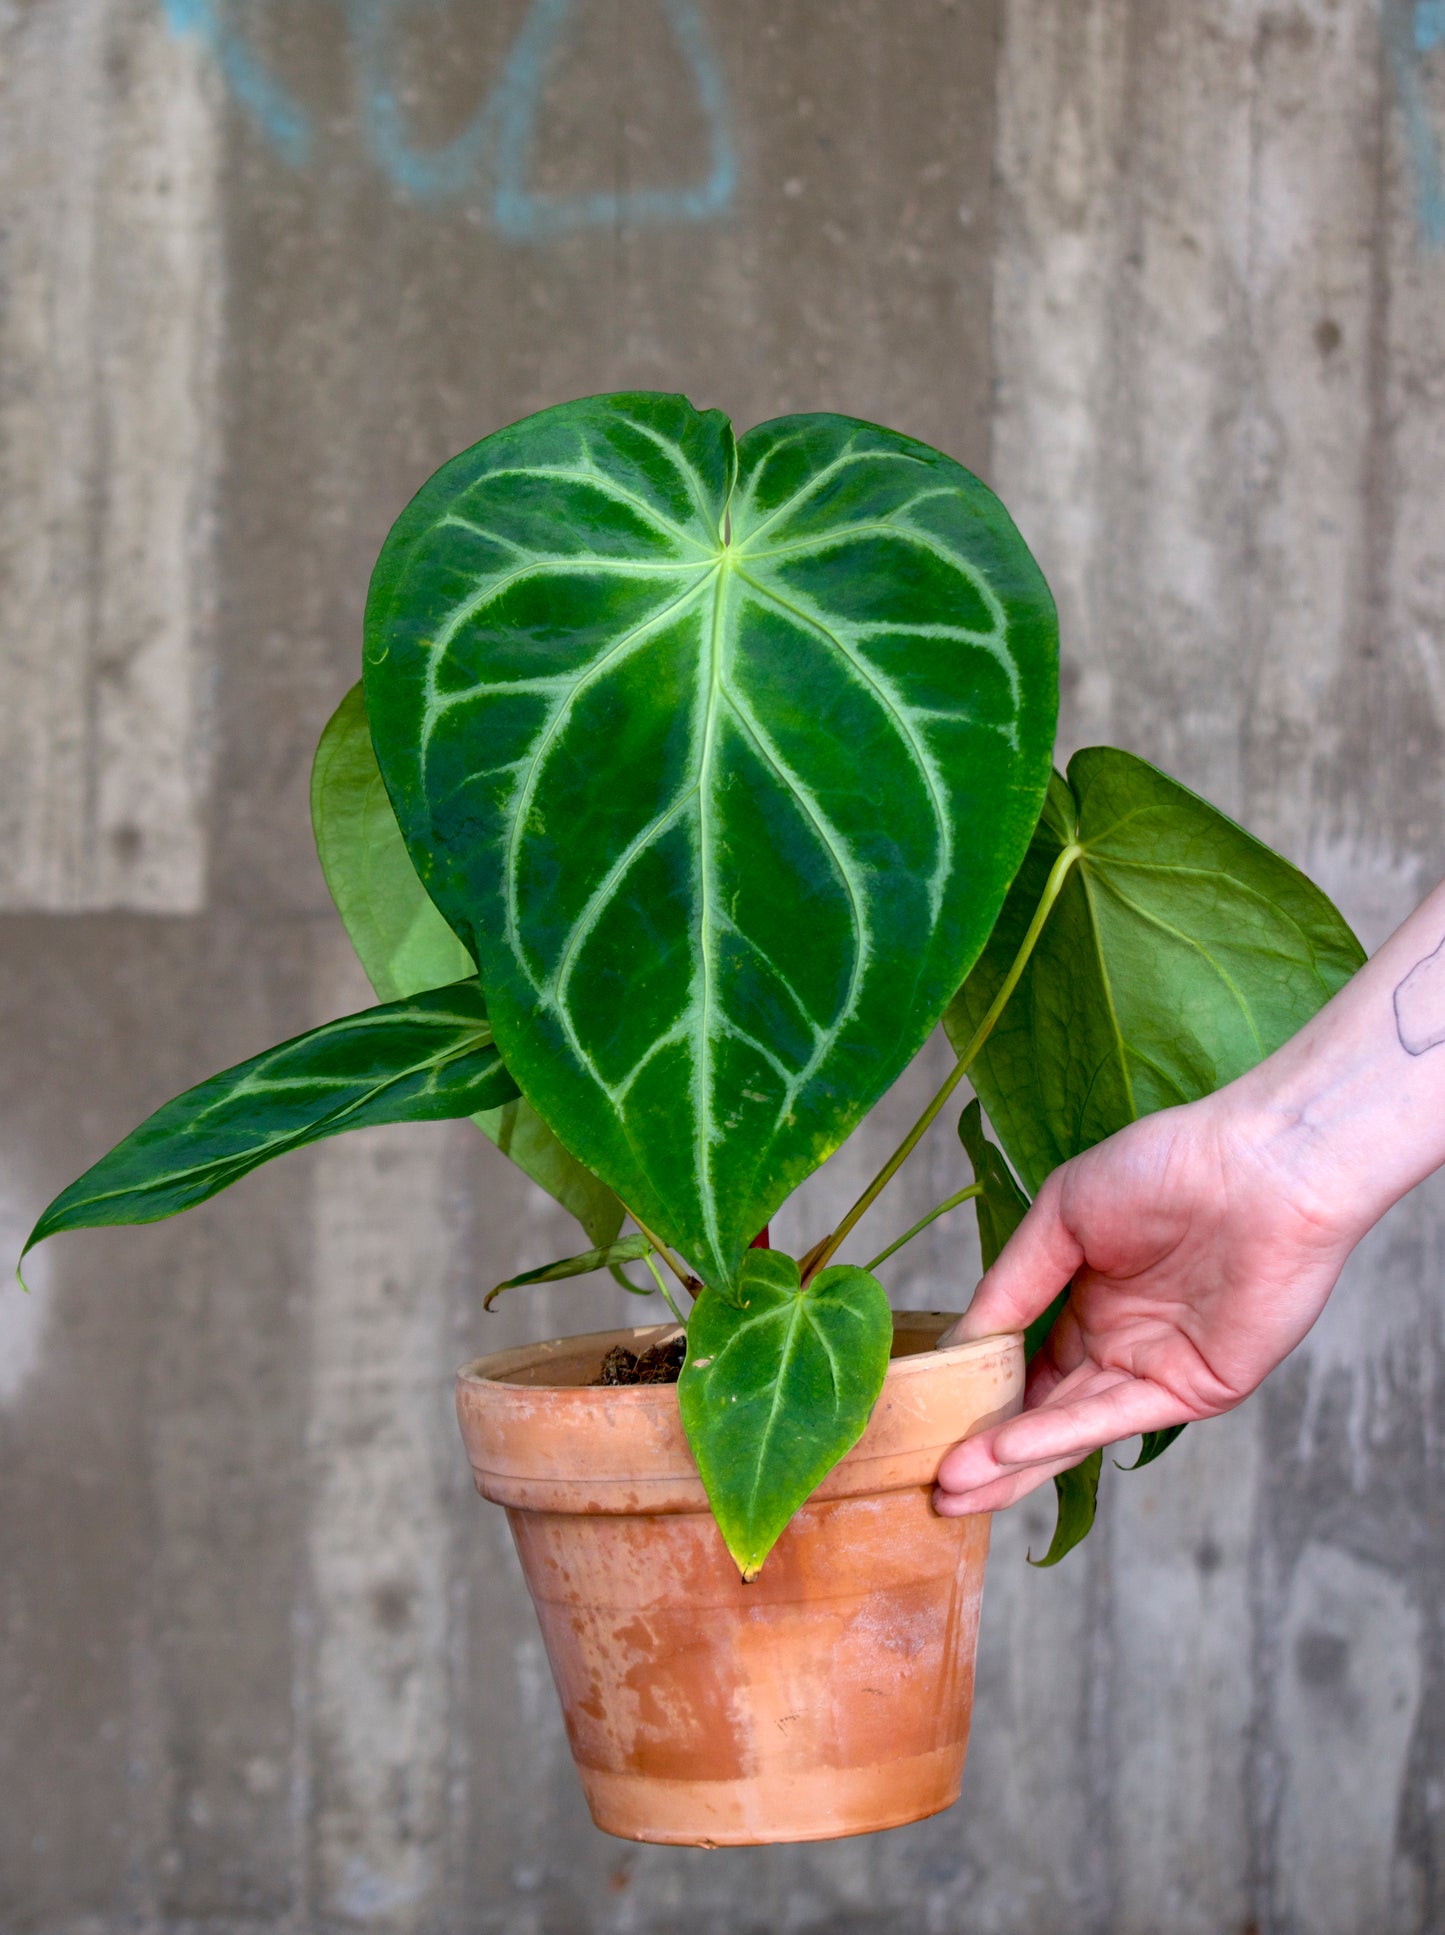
[{"x": 832, "y": 1695}]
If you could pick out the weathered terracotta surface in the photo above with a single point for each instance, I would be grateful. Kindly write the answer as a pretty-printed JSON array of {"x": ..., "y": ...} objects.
[{"x": 833, "y": 1695}]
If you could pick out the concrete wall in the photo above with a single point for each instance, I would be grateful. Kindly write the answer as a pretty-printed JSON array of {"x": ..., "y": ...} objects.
[{"x": 1172, "y": 275}]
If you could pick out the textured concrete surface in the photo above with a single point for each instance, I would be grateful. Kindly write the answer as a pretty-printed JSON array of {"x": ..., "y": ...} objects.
[{"x": 1172, "y": 276}]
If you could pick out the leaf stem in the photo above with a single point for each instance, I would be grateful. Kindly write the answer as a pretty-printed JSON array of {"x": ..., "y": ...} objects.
[
  {"x": 939, "y": 1209},
  {"x": 689, "y": 1283},
  {"x": 661, "y": 1283},
  {"x": 1058, "y": 873}
]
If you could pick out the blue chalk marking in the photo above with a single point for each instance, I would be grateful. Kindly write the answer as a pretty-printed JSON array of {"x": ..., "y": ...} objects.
[
  {"x": 286, "y": 125},
  {"x": 499, "y": 140},
  {"x": 1429, "y": 24},
  {"x": 526, "y": 216},
  {"x": 426, "y": 174},
  {"x": 1407, "y": 47}
]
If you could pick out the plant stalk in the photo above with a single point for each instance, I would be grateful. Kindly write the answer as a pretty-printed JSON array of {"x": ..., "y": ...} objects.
[
  {"x": 689, "y": 1283},
  {"x": 939, "y": 1209},
  {"x": 661, "y": 1283},
  {"x": 1058, "y": 873}
]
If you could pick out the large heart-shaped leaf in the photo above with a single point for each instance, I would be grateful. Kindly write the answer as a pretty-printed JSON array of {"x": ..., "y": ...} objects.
[
  {"x": 1180, "y": 952},
  {"x": 405, "y": 945},
  {"x": 722, "y": 759},
  {"x": 426, "y": 1059},
  {"x": 776, "y": 1387}
]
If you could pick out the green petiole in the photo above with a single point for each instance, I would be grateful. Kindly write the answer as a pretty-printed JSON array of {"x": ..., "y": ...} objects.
[
  {"x": 939, "y": 1209},
  {"x": 661, "y": 1283},
  {"x": 1058, "y": 874}
]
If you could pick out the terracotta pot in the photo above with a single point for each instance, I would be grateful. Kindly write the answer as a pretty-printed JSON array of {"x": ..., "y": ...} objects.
[{"x": 833, "y": 1695}]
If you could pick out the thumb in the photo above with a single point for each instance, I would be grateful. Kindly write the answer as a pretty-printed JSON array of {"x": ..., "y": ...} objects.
[{"x": 1033, "y": 1267}]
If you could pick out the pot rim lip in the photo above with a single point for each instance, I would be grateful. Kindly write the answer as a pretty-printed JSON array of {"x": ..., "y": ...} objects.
[{"x": 491, "y": 1370}]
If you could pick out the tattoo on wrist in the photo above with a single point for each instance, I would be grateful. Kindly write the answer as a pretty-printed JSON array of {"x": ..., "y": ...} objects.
[{"x": 1420, "y": 1005}]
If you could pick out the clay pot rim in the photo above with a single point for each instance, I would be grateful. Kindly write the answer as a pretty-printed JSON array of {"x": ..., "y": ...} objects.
[{"x": 496, "y": 1367}]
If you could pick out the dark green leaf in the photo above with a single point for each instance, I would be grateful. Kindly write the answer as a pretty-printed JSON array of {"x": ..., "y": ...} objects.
[
  {"x": 1003, "y": 1205},
  {"x": 1153, "y": 1445},
  {"x": 405, "y": 945},
  {"x": 776, "y": 1389},
  {"x": 627, "y": 1249},
  {"x": 1077, "y": 1495},
  {"x": 1180, "y": 952},
  {"x": 722, "y": 757},
  {"x": 1001, "y": 1208},
  {"x": 424, "y": 1059}
]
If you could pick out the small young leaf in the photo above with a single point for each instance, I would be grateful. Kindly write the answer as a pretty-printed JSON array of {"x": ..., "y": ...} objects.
[
  {"x": 406, "y": 946},
  {"x": 776, "y": 1388},
  {"x": 1077, "y": 1492},
  {"x": 426, "y": 1059},
  {"x": 627, "y": 1249}
]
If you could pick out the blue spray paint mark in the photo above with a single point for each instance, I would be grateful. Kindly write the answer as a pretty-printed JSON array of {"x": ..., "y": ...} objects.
[
  {"x": 500, "y": 139},
  {"x": 1411, "y": 38},
  {"x": 526, "y": 216},
  {"x": 426, "y": 174},
  {"x": 1429, "y": 24},
  {"x": 286, "y": 124}
]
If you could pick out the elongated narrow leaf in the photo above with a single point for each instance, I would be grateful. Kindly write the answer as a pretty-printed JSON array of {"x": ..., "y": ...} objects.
[
  {"x": 1153, "y": 1445},
  {"x": 776, "y": 1388},
  {"x": 425, "y": 1059},
  {"x": 627, "y": 1249},
  {"x": 1077, "y": 1495},
  {"x": 1180, "y": 952},
  {"x": 405, "y": 945},
  {"x": 722, "y": 758},
  {"x": 1001, "y": 1208},
  {"x": 1003, "y": 1205}
]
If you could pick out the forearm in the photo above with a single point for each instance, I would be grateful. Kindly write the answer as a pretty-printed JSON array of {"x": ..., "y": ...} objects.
[{"x": 1351, "y": 1112}]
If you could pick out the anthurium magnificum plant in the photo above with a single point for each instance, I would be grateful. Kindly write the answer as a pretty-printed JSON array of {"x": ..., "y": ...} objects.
[{"x": 691, "y": 782}]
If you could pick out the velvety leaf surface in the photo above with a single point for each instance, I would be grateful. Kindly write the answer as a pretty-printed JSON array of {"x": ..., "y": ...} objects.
[
  {"x": 777, "y": 1387},
  {"x": 1180, "y": 952},
  {"x": 722, "y": 758},
  {"x": 406, "y": 946},
  {"x": 627, "y": 1249},
  {"x": 425, "y": 1059}
]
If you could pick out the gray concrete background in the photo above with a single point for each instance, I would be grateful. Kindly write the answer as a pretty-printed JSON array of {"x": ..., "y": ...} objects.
[{"x": 1172, "y": 276}]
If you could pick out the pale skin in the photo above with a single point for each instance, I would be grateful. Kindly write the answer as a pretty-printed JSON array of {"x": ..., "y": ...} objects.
[{"x": 1203, "y": 1242}]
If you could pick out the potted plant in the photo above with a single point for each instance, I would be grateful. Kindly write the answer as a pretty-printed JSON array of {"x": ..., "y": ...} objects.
[{"x": 690, "y": 783}]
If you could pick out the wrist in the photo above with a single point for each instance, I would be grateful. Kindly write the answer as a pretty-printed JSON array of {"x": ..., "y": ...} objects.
[{"x": 1327, "y": 1132}]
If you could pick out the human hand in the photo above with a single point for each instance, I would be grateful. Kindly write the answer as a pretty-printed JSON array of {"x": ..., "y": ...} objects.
[{"x": 1200, "y": 1255}]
